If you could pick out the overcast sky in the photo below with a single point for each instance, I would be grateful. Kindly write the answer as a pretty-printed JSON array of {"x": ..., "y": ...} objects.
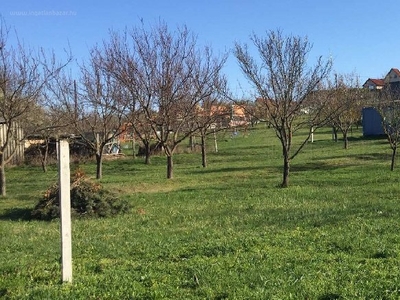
[{"x": 360, "y": 36}]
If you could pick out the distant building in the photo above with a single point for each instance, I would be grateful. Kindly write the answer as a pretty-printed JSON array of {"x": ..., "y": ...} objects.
[
  {"x": 371, "y": 122},
  {"x": 371, "y": 119},
  {"x": 390, "y": 82},
  {"x": 238, "y": 116},
  {"x": 374, "y": 84}
]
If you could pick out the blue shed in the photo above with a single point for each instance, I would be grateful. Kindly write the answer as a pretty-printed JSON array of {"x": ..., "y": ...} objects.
[{"x": 371, "y": 122}]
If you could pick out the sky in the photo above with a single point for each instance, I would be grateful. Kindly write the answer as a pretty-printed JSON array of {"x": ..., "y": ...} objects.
[{"x": 360, "y": 36}]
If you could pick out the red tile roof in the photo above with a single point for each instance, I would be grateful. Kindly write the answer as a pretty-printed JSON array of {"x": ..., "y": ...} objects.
[{"x": 380, "y": 82}]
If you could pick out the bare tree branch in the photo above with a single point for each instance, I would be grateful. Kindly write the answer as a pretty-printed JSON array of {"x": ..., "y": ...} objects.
[{"x": 284, "y": 83}]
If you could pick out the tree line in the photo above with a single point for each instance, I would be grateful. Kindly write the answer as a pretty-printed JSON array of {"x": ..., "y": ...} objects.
[{"x": 167, "y": 88}]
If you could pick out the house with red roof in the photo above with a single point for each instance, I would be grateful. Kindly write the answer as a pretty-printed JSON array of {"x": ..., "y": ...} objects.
[
  {"x": 374, "y": 84},
  {"x": 392, "y": 76},
  {"x": 371, "y": 119},
  {"x": 392, "y": 80}
]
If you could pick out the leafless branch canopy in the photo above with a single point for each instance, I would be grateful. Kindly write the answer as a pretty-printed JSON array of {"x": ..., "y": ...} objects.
[{"x": 284, "y": 83}]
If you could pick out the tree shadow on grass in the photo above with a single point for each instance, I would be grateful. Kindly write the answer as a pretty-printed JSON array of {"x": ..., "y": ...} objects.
[
  {"x": 366, "y": 156},
  {"x": 26, "y": 197},
  {"x": 228, "y": 169},
  {"x": 330, "y": 296},
  {"x": 17, "y": 214},
  {"x": 373, "y": 156},
  {"x": 355, "y": 137},
  {"x": 315, "y": 166},
  {"x": 324, "y": 164}
]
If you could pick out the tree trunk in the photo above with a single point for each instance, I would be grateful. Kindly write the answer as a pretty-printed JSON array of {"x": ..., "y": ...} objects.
[
  {"x": 192, "y": 142},
  {"x": 215, "y": 142},
  {"x": 133, "y": 148},
  {"x": 394, "y": 149},
  {"x": 99, "y": 157},
  {"x": 2, "y": 176},
  {"x": 147, "y": 150},
  {"x": 334, "y": 134},
  {"x": 170, "y": 167},
  {"x": 45, "y": 156},
  {"x": 345, "y": 140},
  {"x": 203, "y": 151},
  {"x": 99, "y": 165},
  {"x": 312, "y": 134},
  {"x": 286, "y": 168}
]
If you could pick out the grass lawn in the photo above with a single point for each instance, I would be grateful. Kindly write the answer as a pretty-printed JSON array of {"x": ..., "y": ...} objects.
[{"x": 222, "y": 232}]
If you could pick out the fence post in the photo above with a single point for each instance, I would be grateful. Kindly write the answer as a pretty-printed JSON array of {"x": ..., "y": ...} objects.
[{"x": 65, "y": 210}]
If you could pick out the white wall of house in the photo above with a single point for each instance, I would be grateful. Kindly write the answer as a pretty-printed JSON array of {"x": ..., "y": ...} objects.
[{"x": 392, "y": 76}]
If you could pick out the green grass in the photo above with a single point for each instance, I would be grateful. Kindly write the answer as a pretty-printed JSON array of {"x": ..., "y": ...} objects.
[{"x": 223, "y": 232}]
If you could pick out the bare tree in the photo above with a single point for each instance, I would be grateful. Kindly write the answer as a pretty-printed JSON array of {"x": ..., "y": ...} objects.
[
  {"x": 104, "y": 101},
  {"x": 23, "y": 75},
  {"x": 388, "y": 106},
  {"x": 284, "y": 82},
  {"x": 145, "y": 134},
  {"x": 346, "y": 100},
  {"x": 95, "y": 106},
  {"x": 43, "y": 126},
  {"x": 210, "y": 118},
  {"x": 168, "y": 77},
  {"x": 120, "y": 63}
]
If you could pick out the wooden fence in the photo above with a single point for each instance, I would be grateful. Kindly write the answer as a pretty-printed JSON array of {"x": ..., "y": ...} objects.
[{"x": 15, "y": 143}]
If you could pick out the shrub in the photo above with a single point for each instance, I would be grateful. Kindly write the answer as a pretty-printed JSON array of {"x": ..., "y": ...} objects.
[{"x": 88, "y": 199}]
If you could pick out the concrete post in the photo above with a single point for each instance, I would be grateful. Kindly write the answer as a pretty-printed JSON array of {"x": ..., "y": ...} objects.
[{"x": 65, "y": 210}]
